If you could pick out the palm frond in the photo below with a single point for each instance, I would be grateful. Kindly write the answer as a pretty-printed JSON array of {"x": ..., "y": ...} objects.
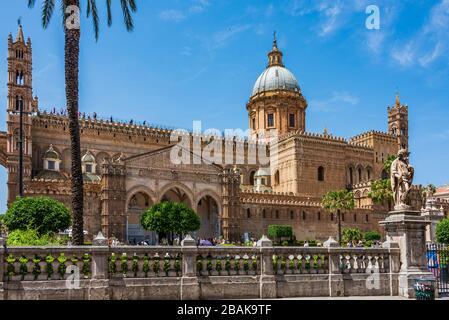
[
  {"x": 132, "y": 5},
  {"x": 127, "y": 15},
  {"x": 108, "y": 7},
  {"x": 31, "y": 3},
  {"x": 92, "y": 8},
  {"x": 47, "y": 12}
]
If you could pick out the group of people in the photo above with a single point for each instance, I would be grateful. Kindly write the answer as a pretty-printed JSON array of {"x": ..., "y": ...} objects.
[{"x": 360, "y": 244}]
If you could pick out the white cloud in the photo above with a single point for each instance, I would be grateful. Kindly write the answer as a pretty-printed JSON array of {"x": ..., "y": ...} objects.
[
  {"x": 430, "y": 43},
  {"x": 338, "y": 99},
  {"x": 172, "y": 15},
  {"x": 199, "y": 6}
]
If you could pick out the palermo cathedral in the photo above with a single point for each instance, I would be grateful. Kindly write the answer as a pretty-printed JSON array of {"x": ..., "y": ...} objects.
[{"x": 127, "y": 166}]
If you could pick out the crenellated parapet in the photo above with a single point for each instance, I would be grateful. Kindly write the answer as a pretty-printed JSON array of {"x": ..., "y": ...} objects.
[
  {"x": 375, "y": 134},
  {"x": 325, "y": 138},
  {"x": 45, "y": 187},
  {"x": 276, "y": 199}
]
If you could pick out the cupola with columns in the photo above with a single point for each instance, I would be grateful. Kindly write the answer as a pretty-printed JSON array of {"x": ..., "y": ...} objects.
[{"x": 276, "y": 104}]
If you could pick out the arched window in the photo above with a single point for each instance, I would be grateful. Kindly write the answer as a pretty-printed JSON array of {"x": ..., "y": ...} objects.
[
  {"x": 320, "y": 174},
  {"x": 251, "y": 177},
  {"x": 303, "y": 215},
  {"x": 351, "y": 176},
  {"x": 277, "y": 214},
  {"x": 360, "y": 175},
  {"x": 276, "y": 178},
  {"x": 355, "y": 217},
  {"x": 248, "y": 213},
  {"x": 52, "y": 159},
  {"x": 366, "y": 218},
  {"x": 291, "y": 120},
  {"x": 88, "y": 163},
  {"x": 319, "y": 215},
  {"x": 264, "y": 214},
  {"x": 292, "y": 215},
  {"x": 368, "y": 174}
]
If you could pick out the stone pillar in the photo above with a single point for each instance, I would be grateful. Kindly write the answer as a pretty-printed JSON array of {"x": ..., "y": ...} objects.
[
  {"x": 433, "y": 215},
  {"x": 336, "y": 282},
  {"x": 190, "y": 286},
  {"x": 2, "y": 266},
  {"x": 99, "y": 288},
  {"x": 268, "y": 289},
  {"x": 407, "y": 229}
]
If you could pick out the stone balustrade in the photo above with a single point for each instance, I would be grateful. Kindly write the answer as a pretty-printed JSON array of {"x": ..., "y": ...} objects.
[{"x": 190, "y": 272}]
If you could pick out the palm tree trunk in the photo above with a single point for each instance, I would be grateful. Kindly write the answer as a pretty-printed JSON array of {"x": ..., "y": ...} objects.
[{"x": 72, "y": 45}]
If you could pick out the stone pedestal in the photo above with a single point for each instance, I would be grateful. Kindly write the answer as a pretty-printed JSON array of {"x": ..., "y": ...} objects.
[
  {"x": 433, "y": 215},
  {"x": 190, "y": 287},
  {"x": 268, "y": 287},
  {"x": 407, "y": 228}
]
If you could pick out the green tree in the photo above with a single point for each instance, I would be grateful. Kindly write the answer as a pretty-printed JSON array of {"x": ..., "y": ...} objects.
[
  {"x": 352, "y": 235},
  {"x": 372, "y": 236},
  {"x": 381, "y": 192},
  {"x": 72, "y": 48},
  {"x": 442, "y": 231},
  {"x": 42, "y": 214},
  {"x": 169, "y": 218},
  {"x": 337, "y": 201},
  {"x": 388, "y": 162},
  {"x": 276, "y": 232}
]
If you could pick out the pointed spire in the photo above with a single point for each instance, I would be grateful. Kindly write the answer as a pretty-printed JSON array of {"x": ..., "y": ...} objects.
[
  {"x": 398, "y": 102},
  {"x": 20, "y": 37},
  {"x": 275, "y": 56}
]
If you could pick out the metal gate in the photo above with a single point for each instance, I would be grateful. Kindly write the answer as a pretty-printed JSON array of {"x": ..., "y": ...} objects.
[{"x": 438, "y": 264}]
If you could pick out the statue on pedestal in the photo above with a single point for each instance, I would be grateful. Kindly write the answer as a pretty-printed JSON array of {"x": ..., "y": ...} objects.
[{"x": 401, "y": 180}]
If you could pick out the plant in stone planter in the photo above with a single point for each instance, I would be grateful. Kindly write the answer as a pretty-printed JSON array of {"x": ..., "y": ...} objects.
[
  {"x": 112, "y": 264},
  {"x": 156, "y": 264},
  {"x": 237, "y": 264},
  {"x": 315, "y": 262},
  {"x": 199, "y": 264},
  {"x": 86, "y": 265},
  {"x": 124, "y": 264},
  {"x": 228, "y": 264},
  {"x": 178, "y": 265},
  {"x": 291, "y": 263},
  {"x": 36, "y": 266},
  {"x": 254, "y": 263},
  {"x": 135, "y": 264},
  {"x": 283, "y": 264},
  {"x": 218, "y": 266},
  {"x": 275, "y": 263},
  {"x": 10, "y": 269},
  {"x": 245, "y": 264},
  {"x": 62, "y": 259},
  {"x": 209, "y": 266},
  {"x": 146, "y": 264},
  {"x": 167, "y": 265},
  {"x": 23, "y": 270},
  {"x": 307, "y": 262},
  {"x": 49, "y": 267}
]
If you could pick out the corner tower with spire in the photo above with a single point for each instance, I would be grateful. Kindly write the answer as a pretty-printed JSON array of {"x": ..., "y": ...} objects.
[
  {"x": 398, "y": 122},
  {"x": 276, "y": 105},
  {"x": 20, "y": 96}
]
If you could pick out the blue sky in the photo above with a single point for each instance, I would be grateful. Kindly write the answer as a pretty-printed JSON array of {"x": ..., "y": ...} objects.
[{"x": 198, "y": 60}]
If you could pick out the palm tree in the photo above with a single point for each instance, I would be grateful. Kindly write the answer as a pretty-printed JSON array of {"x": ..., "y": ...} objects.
[
  {"x": 381, "y": 192},
  {"x": 72, "y": 45},
  {"x": 336, "y": 201}
]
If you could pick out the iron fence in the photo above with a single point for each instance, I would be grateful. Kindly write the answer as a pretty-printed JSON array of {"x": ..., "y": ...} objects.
[{"x": 438, "y": 264}]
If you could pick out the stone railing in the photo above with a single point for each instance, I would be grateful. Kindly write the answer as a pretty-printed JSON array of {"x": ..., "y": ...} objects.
[{"x": 190, "y": 272}]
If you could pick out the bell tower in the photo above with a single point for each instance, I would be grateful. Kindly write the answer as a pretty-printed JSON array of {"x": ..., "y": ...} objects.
[
  {"x": 398, "y": 122},
  {"x": 20, "y": 98}
]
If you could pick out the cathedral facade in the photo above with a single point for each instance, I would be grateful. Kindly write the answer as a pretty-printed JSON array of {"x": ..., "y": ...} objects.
[{"x": 127, "y": 166}]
